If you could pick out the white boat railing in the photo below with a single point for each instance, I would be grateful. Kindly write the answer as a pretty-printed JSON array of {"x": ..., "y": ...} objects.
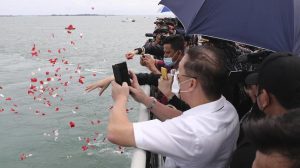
[{"x": 139, "y": 155}]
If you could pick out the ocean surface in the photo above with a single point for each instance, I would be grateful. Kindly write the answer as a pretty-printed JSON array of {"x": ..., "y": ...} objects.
[{"x": 46, "y": 119}]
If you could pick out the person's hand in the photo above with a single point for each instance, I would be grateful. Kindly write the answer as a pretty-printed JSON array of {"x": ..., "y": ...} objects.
[
  {"x": 120, "y": 93},
  {"x": 149, "y": 61},
  {"x": 135, "y": 90},
  {"x": 165, "y": 86},
  {"x": 101, "y": 84},
  {"x": 130, "y": 55},
  {"x": 142, "y": 60}
]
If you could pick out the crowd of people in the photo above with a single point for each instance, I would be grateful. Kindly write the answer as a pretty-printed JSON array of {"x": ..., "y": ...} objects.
[{"x": 201, "y": 121}]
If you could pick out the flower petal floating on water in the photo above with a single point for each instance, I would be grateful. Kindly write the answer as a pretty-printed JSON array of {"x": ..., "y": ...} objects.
[
  {"x": 8, "y": 99},
  {"x": 84, "y": 148},
  {"x": 87, "y": 140},
  {"x": 34, "y": 51},
  {"x": 70, "y": 27},
  {"x": 81, "y": 79},
  {"x": 53, "y": 61},
  {"x": 33, "y": 79},
  {"x": 22, "y": 156},
  {"x": 72, "y": 124}
]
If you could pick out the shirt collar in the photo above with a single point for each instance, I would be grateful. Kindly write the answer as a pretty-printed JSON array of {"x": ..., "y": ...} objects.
[{"x": 210, "y": 107}]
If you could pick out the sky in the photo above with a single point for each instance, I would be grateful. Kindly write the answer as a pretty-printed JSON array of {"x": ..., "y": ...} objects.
[{"x": 48, "y": 7}]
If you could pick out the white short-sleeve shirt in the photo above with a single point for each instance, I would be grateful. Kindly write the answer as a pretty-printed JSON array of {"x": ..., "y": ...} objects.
[{"x": 202, "y": 137}]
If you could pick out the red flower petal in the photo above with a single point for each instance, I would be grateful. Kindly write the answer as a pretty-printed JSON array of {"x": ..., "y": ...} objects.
[
  {"x": 87, "y": 140},
  {"x": 81, "y": 79},
  {"x": 72, "y": 124},
  {"x": 84, "y": 148},
  {"x": 22, "y": 156},
  {"x": 8, "y": 99},
  {"x": 70, "y": 27},
  {"x": 33, "y": 79}
]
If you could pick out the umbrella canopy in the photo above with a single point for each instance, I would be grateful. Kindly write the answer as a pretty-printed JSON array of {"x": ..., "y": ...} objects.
[
  {"x": 165, "y": 9},
  {"x": 270, "y": 24}
]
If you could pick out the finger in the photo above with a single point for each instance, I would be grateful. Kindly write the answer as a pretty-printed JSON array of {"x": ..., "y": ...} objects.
[
  {"x": 124, "y": 84},
  {"x": 114, "y": 84},
  {"x": 135, "y": 82},
  {"x": 103, "y": 89},
  {"x": 89, "y": 89},
  {"x": 132, "y": 90}
]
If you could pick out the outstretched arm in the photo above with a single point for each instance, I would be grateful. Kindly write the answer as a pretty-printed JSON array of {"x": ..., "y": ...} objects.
[{"x": 101, "y": 84}]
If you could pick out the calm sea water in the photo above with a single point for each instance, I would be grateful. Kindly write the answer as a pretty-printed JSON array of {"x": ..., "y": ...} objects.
[{"x": 47, "y": 140}]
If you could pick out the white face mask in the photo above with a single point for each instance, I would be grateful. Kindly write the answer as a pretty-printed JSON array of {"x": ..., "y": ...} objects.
[{"x": 176, "y": 85}]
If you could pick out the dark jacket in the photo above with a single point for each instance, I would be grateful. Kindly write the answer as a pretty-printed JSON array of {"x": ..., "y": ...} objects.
[{"x": 154, "y": 49}]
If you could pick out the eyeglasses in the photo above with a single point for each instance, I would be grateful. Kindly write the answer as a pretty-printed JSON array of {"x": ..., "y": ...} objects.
[{"x": 177, "y": 76}]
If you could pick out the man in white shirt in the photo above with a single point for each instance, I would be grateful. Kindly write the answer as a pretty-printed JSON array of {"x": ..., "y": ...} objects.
[{"x": 203, "y": 136}]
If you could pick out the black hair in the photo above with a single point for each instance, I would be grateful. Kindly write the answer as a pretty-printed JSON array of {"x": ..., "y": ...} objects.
[
  {"x": 279, "y": 134},
  {"x": 206, "y": 64},
  {"x": 176, "y": 42},
  {"x": 279, "y": 75}
]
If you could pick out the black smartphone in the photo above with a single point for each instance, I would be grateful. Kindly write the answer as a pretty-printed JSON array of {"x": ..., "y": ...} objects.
[{"x": 121, "y": 73}]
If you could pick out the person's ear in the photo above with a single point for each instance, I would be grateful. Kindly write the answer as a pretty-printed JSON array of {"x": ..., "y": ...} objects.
[
  {"x": 264, "y": 99},
  {"x": 193, "y": 84}
]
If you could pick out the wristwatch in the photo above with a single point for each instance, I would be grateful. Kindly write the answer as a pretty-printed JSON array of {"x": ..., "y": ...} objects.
[{"x": 152, "y": 104}]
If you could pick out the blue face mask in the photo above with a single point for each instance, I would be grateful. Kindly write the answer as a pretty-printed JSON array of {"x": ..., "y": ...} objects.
[{"x": 168, "y": 61}]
